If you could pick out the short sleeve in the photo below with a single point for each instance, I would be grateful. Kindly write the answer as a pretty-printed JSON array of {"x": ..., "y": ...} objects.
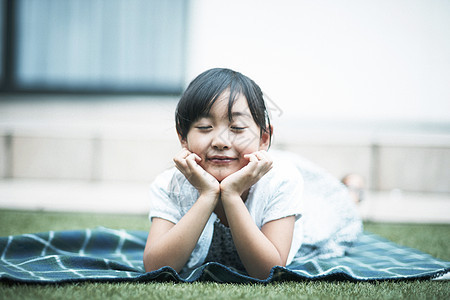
[
  {"x": 286, "y": 197},
  {"x": 282, "y": 191},
  {"x": 163, "y": 198},
  {"x": 171, "y": 196}
]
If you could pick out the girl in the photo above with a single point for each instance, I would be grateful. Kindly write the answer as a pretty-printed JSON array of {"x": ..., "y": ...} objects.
[{"x": 227, "y": 200}]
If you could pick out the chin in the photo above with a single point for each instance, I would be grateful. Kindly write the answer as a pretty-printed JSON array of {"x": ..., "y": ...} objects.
[
  {"x": 222, "y": 175},
  {"x": 220, "y": 178}
]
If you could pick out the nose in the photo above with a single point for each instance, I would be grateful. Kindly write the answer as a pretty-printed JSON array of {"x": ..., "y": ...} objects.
[{"x": 221, "y": 140}]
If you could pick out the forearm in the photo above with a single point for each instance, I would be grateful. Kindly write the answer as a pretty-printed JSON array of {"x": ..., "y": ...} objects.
[
  {"x": 174, "y": 247},
  {"x": 256, "y": 251}
]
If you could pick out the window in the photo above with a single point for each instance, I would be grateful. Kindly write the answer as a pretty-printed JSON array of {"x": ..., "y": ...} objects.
[
  {"x": 2, "y": 39},
  {"x": 94, "y": 46}
]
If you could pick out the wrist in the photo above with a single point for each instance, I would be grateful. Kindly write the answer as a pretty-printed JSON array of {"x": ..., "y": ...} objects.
[
  {"x": 208, "y": 200},
  {"x": 210, "y": 193},
  {"x": 227, "y": 196}
]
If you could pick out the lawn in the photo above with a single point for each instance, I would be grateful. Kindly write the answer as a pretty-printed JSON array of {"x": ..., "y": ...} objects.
[{"x": 433, "y": 239}]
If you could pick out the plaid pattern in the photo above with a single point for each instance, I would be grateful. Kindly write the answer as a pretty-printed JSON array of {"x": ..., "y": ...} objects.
[{"x": 104, "y": 254}]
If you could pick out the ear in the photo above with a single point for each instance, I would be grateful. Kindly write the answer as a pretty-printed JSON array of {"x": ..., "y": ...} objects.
[
  {"x": 183, "y": 141},
  {"x": 264, "y": 142}
]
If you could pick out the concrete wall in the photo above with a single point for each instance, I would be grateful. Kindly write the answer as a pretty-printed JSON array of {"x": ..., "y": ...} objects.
[
  {"x": 413, "y": 168},
  {"x": 416, "y": 168},
  {"x": 4, "y": 156}
]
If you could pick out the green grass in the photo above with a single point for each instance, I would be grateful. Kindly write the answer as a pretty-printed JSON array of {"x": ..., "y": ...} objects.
[
  {"x": 19, "y": 222},
  {"x": 433, "y": 239}
]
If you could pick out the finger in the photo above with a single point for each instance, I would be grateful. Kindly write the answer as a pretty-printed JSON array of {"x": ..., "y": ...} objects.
[
  {"x": 260, "y": 155},
  {"x": 264, "y": 157},
  {"x": 195, "y": 169},
  {"x": 194, "y": 157},
  {"x": 251, "y": 166},
  {"x": 190, "y": 156},
  {"x": 181, "y": 155},
  {"x": 184, "y": 153},
  {"x": 197, "y": 158},
  {"x": 180, "y": 160},
  {"x": 263, "y": 154},
  {"x": 184, "y": 170},
  {"x": 264, "y": 164},
  {"x": 251, "y": 157},
  {"x": 191, "y": 163}
]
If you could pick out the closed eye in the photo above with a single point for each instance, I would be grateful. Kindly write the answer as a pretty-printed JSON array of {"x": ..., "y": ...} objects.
[
  {"x": 237, "y": 128},
  {"x": 203, "y": 127}
]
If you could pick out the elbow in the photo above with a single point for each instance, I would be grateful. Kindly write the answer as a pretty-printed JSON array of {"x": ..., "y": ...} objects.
[
  {"x": 261, "y": 274},
  {"x": 153, "y": 262},
  {"x": 150, "y": 263},
  {"x": 149, "y": 266},
  {"x": 264, "y": 272}
]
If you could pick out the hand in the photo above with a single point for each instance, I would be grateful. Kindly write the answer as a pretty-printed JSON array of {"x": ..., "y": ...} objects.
[
  {"x": 187, "y": 163},
  {"x": 237, "y": 183}
]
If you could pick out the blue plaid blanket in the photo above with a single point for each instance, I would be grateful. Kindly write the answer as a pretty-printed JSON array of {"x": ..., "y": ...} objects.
[{"x": 104, "y": 254}]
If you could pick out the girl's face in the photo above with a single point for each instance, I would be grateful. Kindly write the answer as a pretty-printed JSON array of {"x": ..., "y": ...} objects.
[{"x": 221, "y": 143}]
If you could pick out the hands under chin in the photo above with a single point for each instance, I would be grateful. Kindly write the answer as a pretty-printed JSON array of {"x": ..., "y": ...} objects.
[
  {"x": 237, "y": 183},
  {"x": 187, "y": 163},
  {"x": 234, "y": 184}
]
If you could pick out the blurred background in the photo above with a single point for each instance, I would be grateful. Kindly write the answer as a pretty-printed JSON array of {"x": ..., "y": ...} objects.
[{"x": 89, "y": 87}]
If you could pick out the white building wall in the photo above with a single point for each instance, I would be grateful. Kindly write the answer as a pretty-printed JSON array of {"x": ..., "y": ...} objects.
[{"x": 340, "y": 60}]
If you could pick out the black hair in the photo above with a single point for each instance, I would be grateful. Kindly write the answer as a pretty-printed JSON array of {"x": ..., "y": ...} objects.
[{"x": 204, "y": 90}]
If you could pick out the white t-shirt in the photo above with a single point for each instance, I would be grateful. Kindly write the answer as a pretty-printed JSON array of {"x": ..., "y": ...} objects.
[{"x": 276, "y": 195}]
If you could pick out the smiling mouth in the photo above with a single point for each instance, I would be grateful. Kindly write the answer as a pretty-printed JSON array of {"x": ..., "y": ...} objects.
[{"x": 221, "y": 159}]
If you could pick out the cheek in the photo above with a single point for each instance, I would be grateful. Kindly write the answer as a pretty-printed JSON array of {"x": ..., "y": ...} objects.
[
  {"x": 247, "y": 144},
  {"x": 197, "y": 144}
]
